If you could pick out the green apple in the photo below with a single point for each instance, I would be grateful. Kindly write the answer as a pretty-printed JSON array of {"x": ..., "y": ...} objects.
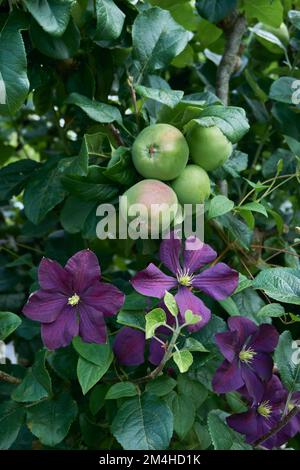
[
  {"x": 156, "y": 198},
  {"x": 209, "y": 147},
  {"x": 160, "y": 152},
  {"x": 192, "y": 186},
  {"x": 281, "y": 33}
]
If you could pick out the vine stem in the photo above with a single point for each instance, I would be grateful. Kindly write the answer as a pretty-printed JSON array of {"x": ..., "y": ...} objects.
[
  {"x": 281, "y": 424},
  {"x": 117, "y": 135},
  {"x": 229, "y": 58},
  {"x": 9, "y": 378}
]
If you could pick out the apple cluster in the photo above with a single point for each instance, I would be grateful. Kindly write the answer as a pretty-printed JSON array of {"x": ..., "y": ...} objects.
[{"x": 175, "y": 166}]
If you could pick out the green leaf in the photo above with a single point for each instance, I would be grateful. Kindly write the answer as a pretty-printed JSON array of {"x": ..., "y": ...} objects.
[
  {"x": 120, "y": 390},
  {"x": 223, "y": 437},
  {"x": 287, "y": 359},
  {"x": 99, "y": 354},
  {"x": 11, "y": 420},
  {"x": 9, "y": 322},
  {"x": 190, "y": 317},
  {"x": 171, "y": 304},
  {"x": 36, "y": 383},
  {"x": 231, "y": 120},
  {"x": 193, "y": 391},
  {"x": 157, "y": 39},
  {"x": 191, "y": 344},
  {"x": 13, "y": 177},
  {"x": 143, "y": 423},
  {"x": 50, "y": 420},
  {"x": 183, "y": 359},
  {"x": 154, "y": 319},
  {"x": 168, "y": 97},
  {"x": 43, "y": 191},
  {"x": 97, "y": 398},
  {"x": 282, "y": 90},
  {"x": 132, "y": 318},
  {"x": 52, "y": 15},
  {"x": 161, "y": 386},
  {"x": 236, "y": 163},
  {"x": 100, "y": 112},
  {"x": 120, "y": 168},
  {"x": 254, "y": 207},
  {"x": 267, "y": 36},
  {"x": 219, "y": 205},
  {"x": 62, "y": 47},
  {"x": 75, "y": 212},
  {"x": 13, "y": 64},
  {"x": 110, "y": 20},
  {"x": 238, "y": 230},
  {"x": 262, "y": 10},
  {"x": 281, "y": 284},
  {"x": 271, "y": 310},
  {"x": 89, "y": 374},
  {"x": 215, "y": 10},
  {"x": 184, "y": 414}
]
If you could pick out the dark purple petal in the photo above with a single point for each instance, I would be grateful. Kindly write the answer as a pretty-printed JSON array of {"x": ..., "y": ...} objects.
[
  {"x": 153, "y": 282},
  {"x": 129, "y": 347},
  {"x": 219, "y": 281},
  {"x": 228, "y": 344},
  {"x": 289, "y": 431},
  {"x": 275, "y": 393},
  {"x": 197, "y": 254},
  {"x": 92, "y": 328},
  {"x": 262, "y": 364},
  {"x": 169, "y": 252},
  {"x": 106, "y": 298},
  {"x": 253, "y": 384},
  {"x": 265, "y": 340},
  {"x": 244, "y": 423},
  {"x": 59, "y": 333},
  {"x": 186, "y": 300},
  {"x": 227, "y": 377},
  {"x": 156, "y": 352},
  {"x": 243, "y": 326},
  {"x": 53, "y": 277},
  {"x": 84, "y": 270},
  {"x": 44, "y": 306}
]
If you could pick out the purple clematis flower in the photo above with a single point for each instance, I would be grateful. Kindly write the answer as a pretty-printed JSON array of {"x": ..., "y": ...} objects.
[
  {"x": 72, "y": 301},
  {"x": 293, "y": 426},
  {"x": 246, "y": 349},
  {"x": 218, "y": 281},
  {"x": 263, "y": 415}
]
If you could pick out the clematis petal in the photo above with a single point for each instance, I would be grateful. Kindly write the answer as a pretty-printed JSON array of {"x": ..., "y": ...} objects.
[
  {"x": 228, "y": 344},
  {"x": 186, "y": 300},
  {"x": 198, "y": 257},
  {"x": 262, "y": 364},
  {"x": 53, "y": 277},
  {"x": 156, "y": 352},
  {"x": 59, "y": 333},
  {"x": 243, "y": 326},
  {"x": 265, "y": 340},
  {"x": 227, "y": 377},
  {"x": 44, "y": 306},
  {"x": 106, "y": 298},
  {"x": 254, "y": 385},
  {"x": 153, "y": 282},
  {"x": 169, "y": 252},
  {"x": 84, "y": 269},
  {"x": 92, "y": 328},
  {"x": 244, "y": 423},
  {"x": 219, "y": 281},
  {"x": 129, "y": 346}
]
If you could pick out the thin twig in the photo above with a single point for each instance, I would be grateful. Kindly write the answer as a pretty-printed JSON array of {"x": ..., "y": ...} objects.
[
  {"x": 229, "y": 58},
  {"x": 117, "y": 135},
  {"x": 281, "y": 424},
  {"x": 9, "y": 378}
]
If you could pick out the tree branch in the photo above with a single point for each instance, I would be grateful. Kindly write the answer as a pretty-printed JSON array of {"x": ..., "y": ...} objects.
[
  {"x": 117, "y": 135},
  {"x": 9, "y": 378},
  {"x": 229, "y": 58},
  {"x": 281, "y": 424}
]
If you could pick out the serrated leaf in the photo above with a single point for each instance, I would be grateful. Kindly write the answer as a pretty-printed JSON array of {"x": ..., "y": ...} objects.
[
  {"x": 168, "y": 97},
  {"x": 281, "y": 284},
  {"x": 52, "y": 15},
  {"x": 287, "y": 359},
  {"x": 110, "y": 20},
  {"x": 100, "y": 112},
  {"x": 223, "y": 437}
]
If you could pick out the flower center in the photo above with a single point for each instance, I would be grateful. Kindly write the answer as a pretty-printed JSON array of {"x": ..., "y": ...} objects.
[
  {"x": 265, "y": 409},
  {"x": 185, "y": 278},
  {"x": 74, "y": 300},
  {"x": 247, "y": 355}
]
